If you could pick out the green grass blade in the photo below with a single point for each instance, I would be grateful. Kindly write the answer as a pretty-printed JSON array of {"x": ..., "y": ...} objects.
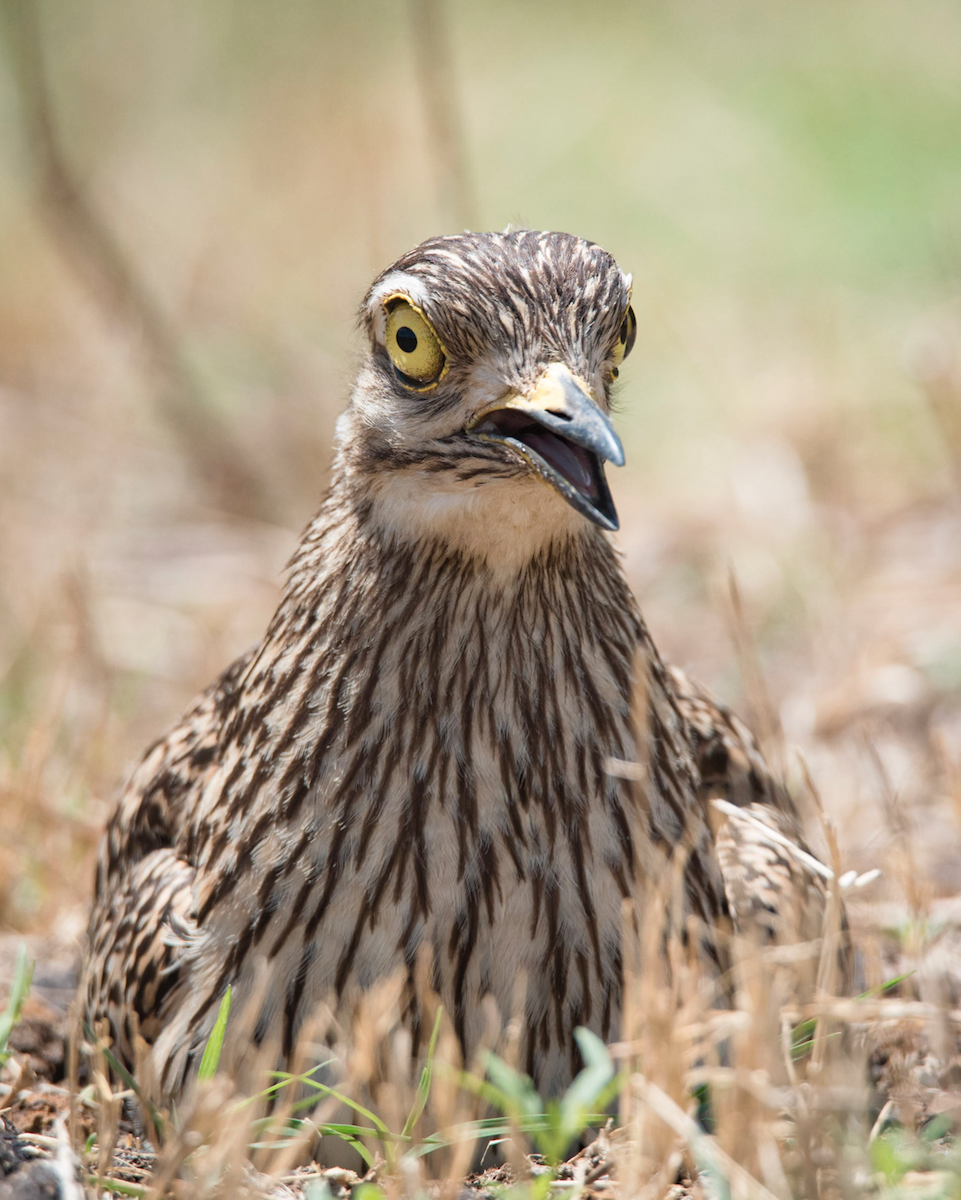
[
  {"x": 584, "y": 1093},
  {"x": 127, "y": 1080},
  {"x": 350, "y": 1139},
  {"x": 22, "y": 978},
  {"x": 208, "y": 1064},
  {"x": 381, "y": 1131},
  {"x": 367, "y": 1191},
  {"x": 119, "y": 1186},
  {"x": 423, "y": 1089},
  {"x": 881, "y": 988},
  {"x": 284, "y": 1079},
  {"x": 292, "y": 1131},
  {"x": 510, "y": 1090}
]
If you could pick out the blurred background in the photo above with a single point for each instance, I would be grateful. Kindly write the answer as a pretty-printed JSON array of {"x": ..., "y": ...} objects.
[{"x": 193, "y": 199}]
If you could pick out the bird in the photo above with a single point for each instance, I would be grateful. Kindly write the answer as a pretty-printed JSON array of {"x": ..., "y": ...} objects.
[{"x": 420, "y": 756}]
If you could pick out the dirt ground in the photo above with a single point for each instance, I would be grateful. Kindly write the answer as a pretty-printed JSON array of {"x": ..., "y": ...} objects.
[{"x": 177, "y": 341}]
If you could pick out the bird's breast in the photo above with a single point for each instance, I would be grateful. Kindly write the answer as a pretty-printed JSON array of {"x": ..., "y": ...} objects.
[{"x": 440, "y": 789}]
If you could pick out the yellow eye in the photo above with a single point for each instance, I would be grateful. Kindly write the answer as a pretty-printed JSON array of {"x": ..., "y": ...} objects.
[
  {"x": 625, "y": 339},
  {"x": 413, "y": 346}
]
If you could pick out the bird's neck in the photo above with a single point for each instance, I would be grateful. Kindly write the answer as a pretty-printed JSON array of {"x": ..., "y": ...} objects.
[
  {"x": 390, "y": 659},
  {"x": 394, "y": 660},
  {"x": 354, "y": 559},
  {"x": 503, "y": 526}
]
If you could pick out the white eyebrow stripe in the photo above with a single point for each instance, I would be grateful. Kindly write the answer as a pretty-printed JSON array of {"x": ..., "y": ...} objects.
[{"x": 396, "y": 281}]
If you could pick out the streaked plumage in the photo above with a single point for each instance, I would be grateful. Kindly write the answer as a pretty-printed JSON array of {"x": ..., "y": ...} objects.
[{"x": 417, "y": 752}]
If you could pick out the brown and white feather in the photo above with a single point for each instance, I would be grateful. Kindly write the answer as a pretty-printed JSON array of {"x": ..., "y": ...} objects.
[{"x": 415, "y": 755}]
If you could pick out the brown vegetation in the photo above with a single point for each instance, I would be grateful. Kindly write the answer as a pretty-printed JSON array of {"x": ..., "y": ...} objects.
[{"x": 792, "y": 413}]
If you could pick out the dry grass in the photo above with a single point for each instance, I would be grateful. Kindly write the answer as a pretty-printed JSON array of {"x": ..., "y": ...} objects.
[
  {"x": 784, "y": 185},
  {"x": 771, "y": 1095}
]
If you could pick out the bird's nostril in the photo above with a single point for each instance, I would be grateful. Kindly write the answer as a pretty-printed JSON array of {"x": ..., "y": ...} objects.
[{"x": 563, "y": 415}]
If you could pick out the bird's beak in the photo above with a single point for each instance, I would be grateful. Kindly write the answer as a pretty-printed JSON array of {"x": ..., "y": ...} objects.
[{"x": 564, "y": 435}]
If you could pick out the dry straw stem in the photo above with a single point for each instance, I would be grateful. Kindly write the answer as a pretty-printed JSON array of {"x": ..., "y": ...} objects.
[
  {"x": 764, "y": 717},
  {"x": 384, "y": 1068},
  {"x": 47, "y": 756},
  {"x": 675, "y": 1042},
  {"x": 92, "y": 249},
  {"x": 74, "y": 1039},
  {"x": 933, "y": 365},
  {"x": 661, "y": 994},
  {"x": 827, "y": 976},
  {"x": 905, "y": 867},
  {"x": 45, "y": 729},
  {"x": 454, "y": 1107},
  {"x": 278, "y": 1152},
  {"x": 950, "y": 770},
  {"x": 711, "y": 1157},
  {"x": 515, "y": 1143},
  {"x": 231, "y": 1135},
  {"x": 445, "y": 129},
  {"x": 206, "y": 1141},
  {"x": 921, "y": 934},
  {"x": 109, "y": 1103}
]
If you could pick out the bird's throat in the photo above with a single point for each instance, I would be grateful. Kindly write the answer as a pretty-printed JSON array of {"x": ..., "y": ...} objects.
[{"x": 505, "y": 524}]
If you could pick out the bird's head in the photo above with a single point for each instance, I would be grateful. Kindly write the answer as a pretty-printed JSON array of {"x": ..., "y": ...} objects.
[{"x": 481, "y": 413}]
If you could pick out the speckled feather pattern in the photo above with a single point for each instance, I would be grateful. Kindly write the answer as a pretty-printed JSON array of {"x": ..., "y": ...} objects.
[{"x": 414, "y": 756}]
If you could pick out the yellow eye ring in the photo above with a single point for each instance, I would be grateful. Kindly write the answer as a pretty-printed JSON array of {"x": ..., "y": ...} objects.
[
  {"x": 417, "y": 353},
  {"x": 626, "y": 336}
]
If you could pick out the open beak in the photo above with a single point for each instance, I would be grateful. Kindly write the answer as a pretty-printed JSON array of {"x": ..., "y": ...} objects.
[{"x": 564, "y": 435}]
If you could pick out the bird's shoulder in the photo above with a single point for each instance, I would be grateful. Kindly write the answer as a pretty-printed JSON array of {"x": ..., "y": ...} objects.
[
  {"x": 729, "y": 760},
  {"x": 776, "y": 889},
  {"x": 757, "y": 828},
  {"x": 150, "y": 813}
]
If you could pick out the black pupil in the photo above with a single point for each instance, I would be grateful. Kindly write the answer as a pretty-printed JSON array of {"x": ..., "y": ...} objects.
[{"x": 406, "y": 339}]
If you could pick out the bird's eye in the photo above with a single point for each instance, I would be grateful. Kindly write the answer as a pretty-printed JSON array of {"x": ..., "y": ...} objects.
[
  {"x": 625, "y": 339},
  {"x": 413, "y": 346}
]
